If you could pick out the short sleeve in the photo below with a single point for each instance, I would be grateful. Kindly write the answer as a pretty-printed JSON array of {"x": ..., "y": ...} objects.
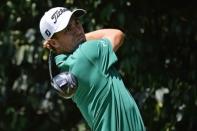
[{"x": 100, "y": 53}]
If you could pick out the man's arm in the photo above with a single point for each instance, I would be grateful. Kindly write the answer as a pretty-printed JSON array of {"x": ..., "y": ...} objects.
[{"x": 115, "y": 36}]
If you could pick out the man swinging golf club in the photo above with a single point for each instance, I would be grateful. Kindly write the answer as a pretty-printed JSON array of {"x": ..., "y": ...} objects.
[{"x": 101, "y": 95}]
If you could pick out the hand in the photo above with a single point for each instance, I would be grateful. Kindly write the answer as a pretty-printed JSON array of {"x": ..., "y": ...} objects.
[{"x": 47, "y": 44}]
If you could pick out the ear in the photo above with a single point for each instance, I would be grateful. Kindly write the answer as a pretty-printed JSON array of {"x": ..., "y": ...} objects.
[{"x": 53, "y": 43}]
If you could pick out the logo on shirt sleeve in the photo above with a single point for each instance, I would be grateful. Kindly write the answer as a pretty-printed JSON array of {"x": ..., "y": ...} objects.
[{"x": 103, "y": 43}]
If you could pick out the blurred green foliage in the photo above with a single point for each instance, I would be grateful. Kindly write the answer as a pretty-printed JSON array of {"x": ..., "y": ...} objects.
[{"x": 157, "y": 61}]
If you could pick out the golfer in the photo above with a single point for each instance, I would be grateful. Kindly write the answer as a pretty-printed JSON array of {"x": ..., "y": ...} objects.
[{"x": 101, "y": 96}]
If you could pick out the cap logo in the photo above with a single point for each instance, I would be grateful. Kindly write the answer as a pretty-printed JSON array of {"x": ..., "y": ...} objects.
[
  {"x": 47, "y": 32},
  {"x": 57, "y": 14}
]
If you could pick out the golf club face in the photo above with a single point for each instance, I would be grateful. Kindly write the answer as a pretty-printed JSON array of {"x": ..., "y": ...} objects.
[{"x": 65, "y": 84}]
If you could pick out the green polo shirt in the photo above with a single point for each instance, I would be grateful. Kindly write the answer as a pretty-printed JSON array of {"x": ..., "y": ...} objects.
[{"x": 101, "y": 96}]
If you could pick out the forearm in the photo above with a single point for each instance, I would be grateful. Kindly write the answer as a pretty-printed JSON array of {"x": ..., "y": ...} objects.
[{"x": 115, "y": 36}]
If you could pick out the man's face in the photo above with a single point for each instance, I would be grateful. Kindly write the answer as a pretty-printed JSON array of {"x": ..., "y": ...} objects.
[{"x": 69, "y": 38}]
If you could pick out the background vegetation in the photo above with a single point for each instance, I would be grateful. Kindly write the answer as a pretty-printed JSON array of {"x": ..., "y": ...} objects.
[{"x": 157, "y": 61}]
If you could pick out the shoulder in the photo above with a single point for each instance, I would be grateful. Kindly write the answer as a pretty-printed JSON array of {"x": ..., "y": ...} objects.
[
  {"x": 60, "y": 58},
  {"x": 65, "y": 62}
]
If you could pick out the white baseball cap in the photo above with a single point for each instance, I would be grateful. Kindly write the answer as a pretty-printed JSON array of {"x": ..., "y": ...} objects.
[{"x": 56, "y": 19}]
